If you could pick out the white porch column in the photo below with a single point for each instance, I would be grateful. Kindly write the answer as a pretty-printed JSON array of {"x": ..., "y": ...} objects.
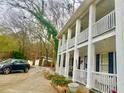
[
  {"x": 119, "y": 4},
  {"x": 60, "y": 43},
  {"x": 76, "y": 51},
  {"x": 63, "y": 39},
  {"x": 76, "y": 56},
  {"x": 61, "y": 64},
  {"x": 57, "y": 63},
  {"x": 67, "y": 54},
  {"x": 62, "y": 55},
  {"x": 91, "y": 49},
  {"x": 67, "y": 64},
  {"x": 69, "y": 36}
]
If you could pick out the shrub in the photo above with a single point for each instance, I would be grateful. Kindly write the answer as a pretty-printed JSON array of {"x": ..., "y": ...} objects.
[
  {"x": 18, "y": 55},
  {"x": 70, "y": 91},
  {"x": 60, "y": 80},
  {"x": 50, "y": 76},
  {"x": 57, "y": 79}
]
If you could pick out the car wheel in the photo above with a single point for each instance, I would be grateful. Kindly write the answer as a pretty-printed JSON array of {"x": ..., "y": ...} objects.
[
  {"x": 26, "y": 70},
  {"x": 6, "y": 70}
]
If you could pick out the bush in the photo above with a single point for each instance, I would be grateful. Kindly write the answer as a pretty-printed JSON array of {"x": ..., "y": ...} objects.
[
  {"x": 60, "y": 80},
  {"x": 70, "y": 91},
  {"x": 57, "y": 79},
  {"x": 18, "y": 55},
  {"x": 50, "y": 76}
]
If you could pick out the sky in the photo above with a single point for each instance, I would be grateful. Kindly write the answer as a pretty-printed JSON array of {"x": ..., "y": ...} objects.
[{"x": 4, "y": 9}]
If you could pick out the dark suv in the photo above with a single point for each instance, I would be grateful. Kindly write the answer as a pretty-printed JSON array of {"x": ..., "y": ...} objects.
[{"x": 12, "y": 65}]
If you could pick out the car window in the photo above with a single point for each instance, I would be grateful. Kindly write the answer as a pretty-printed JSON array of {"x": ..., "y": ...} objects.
[
  {"x": 16, "y": 62},
  {"x": 19, "y": 61},
  {"x": 22, "y": 62}
]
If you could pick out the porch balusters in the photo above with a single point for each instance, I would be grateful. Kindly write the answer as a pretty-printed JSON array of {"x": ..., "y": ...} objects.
[
  {"x": 104, "y": 82},
  {"x": 105, "y": 24},
  {"x": 81, "y": 76}
]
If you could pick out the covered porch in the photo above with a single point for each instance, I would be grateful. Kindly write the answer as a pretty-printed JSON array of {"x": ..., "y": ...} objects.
[
  {"x": 104, "y": 76},
  {"x": 81, "y": 69}
]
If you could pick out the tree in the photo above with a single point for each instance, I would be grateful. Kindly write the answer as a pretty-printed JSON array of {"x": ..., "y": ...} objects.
[
  {"x": 8, "y": 44},
  {"x": 18, "y": 55},
  {"x": 31, "y": 36},
  {"x": 58, "y": 9},
  {"x": 32, "y": 7},
  {"x": 18, "y": 26},
  {"x": 49, "y": 15}
]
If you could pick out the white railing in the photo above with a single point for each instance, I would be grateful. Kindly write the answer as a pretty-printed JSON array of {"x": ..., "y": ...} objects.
[
  {"x": 71, "y": 42},
  {"x": 64, "y": 45},
  {"x": 83, "y": 36},
  {"x": 105, "y": 24},
  {"x": 81, "y": 76},
  {"x": 104, "y": 82}
]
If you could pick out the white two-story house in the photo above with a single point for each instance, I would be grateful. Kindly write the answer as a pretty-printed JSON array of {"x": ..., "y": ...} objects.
[{"x": 91, "y": 46}]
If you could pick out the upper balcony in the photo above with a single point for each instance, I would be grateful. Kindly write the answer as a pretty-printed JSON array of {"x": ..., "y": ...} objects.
[
  {"x": 82, "y": 36},
  {"x": 72, "y": 37},
  {"x": 105, "y": 22},
  {"x": 64, "y": 46},
  {"x": 105, "y": 17},
  {"x": 71, "y": 42}
]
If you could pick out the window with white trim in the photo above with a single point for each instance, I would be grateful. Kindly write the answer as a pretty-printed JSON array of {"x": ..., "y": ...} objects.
[{"x": 104, "y": 63}]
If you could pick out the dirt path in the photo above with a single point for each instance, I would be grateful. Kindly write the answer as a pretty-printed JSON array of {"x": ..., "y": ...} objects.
[{"x": 31, "y": 82}]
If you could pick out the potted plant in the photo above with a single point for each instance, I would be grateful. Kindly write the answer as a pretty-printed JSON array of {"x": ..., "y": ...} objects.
[{"x": 73, "y": 87}]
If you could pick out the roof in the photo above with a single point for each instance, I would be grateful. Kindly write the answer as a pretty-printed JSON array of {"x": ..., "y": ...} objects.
[{"x": 82, "y": 8}]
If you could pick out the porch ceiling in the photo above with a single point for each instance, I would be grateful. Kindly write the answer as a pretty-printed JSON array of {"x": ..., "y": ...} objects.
[
  {"x": 106, "y": 45},
  {"x": 104, "y": 7},
  {"x": 83, "y": 51}
]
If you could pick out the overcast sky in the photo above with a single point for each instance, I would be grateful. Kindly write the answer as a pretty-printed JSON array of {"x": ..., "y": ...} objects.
[{"x": 4, "y": 9}]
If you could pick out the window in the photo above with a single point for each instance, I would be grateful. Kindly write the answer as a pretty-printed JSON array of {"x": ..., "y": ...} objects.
[
  {"x": 115, "y": 64},
  {"x": 104, "y": 63},
  {"x": 20, "y": 61},
  {"x": 59, "y": 60},
  {"x": 64, "y": 60},
  {"x": 17, "y": 62},
  {"x": 85, "y": 63},
  {"x": 79, "y": 62}
]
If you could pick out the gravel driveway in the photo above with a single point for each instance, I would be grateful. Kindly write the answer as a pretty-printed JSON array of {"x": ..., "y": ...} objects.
[{"x": 31, "y": 82}]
